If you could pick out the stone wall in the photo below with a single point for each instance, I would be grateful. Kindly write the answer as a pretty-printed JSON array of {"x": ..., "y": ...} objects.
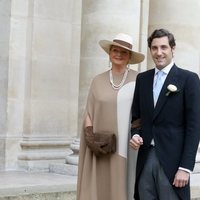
[{"x": 49, "y": 53}]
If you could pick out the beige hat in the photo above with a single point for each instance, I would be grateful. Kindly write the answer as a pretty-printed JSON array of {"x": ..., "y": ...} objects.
[{"x": 125, "y": 41}]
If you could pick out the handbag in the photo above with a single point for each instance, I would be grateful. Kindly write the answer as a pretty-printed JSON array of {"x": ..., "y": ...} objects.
[{"x": 100, "y": 143}]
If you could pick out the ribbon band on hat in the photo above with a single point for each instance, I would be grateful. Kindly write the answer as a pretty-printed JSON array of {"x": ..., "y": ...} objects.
[{"x": 123, "y": 43}]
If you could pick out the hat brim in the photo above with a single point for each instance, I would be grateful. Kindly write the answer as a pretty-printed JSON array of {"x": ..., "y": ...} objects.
[{"x": 136, "y": 57}]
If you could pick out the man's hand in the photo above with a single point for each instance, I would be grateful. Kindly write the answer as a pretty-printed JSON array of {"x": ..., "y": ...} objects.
[
  {"x": 135, "y": 142},
  {"x": 181, "y": 178}
]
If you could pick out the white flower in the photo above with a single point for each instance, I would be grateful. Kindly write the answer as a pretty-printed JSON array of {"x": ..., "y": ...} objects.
[{"x": 171, "y": 88}]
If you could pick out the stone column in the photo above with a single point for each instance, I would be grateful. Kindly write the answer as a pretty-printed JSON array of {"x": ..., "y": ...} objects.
[
  {"x": 103, "y": 20},
  {"x": 43, "y": 82},
  {"x": 182, "y": 19},
  {"x": 71, "y": 161},
  {"x": 5, "y": 7}
]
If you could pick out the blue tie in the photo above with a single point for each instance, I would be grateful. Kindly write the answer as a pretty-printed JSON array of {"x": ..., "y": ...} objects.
[{"x": 157, "y": 86}]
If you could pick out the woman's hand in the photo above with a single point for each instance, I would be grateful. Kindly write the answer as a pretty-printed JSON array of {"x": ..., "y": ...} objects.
[{"x": 135, "y": 142}]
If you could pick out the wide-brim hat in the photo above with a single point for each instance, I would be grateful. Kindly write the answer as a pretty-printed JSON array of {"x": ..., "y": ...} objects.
[{"x": 124, "y": 41}]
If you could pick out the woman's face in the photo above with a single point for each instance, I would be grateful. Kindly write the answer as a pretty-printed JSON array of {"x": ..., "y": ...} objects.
[{"x": 119, "y": 56}]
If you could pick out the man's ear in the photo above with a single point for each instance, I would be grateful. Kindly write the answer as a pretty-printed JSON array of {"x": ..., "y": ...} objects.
[{"x": 173, "y": 50}]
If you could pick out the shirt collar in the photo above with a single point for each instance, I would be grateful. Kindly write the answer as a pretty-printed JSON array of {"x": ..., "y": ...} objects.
[{"x": 166, "y": 69}]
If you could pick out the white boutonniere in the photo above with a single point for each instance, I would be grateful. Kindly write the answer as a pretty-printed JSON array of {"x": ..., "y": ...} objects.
[{"x": 171, "y": 89}]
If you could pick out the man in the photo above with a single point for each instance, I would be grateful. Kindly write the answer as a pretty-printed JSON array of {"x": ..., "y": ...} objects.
[{"x": 170, "y": 124}]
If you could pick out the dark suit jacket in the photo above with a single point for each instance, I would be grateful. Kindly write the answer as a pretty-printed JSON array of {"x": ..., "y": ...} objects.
[{"x": 174, "y": 123}]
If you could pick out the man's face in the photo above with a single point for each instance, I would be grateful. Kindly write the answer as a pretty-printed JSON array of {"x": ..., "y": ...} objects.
[{"x": 161, "y": 52}]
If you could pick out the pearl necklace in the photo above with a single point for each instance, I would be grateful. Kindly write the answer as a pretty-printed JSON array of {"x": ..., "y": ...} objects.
[{"x": 117, "y": 87}]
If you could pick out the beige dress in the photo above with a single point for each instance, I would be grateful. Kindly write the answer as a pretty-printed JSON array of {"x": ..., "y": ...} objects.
[{"x": 105, "y": 178}]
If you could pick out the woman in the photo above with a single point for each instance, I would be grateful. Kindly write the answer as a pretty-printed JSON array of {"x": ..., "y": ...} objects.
[{"x": 102, "y": 173}]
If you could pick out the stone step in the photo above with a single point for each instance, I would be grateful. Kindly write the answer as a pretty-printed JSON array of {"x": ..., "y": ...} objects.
[
  {"x": 65, "y": 169},
  {"x": 43, "y": 196},
  {"x": 18, "y": 185}
]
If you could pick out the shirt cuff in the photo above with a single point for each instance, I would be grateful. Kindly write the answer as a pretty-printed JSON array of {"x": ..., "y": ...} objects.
[{"x": 186, "y": 170}]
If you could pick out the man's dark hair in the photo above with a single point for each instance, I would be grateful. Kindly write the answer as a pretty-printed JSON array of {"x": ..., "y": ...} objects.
[{"x": 158, "y": 33}]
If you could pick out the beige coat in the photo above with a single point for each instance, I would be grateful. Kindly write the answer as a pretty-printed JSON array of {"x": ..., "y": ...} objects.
[{"x": 105, "y": 178}]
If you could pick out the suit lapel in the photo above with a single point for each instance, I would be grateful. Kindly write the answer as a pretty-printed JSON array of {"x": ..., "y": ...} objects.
[
  {"x": 171, "y": 79},
  {"x": 149, "y": 90}
]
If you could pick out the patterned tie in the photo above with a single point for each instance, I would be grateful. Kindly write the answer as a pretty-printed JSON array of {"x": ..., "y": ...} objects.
[{"x": 157, "y": 86}]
